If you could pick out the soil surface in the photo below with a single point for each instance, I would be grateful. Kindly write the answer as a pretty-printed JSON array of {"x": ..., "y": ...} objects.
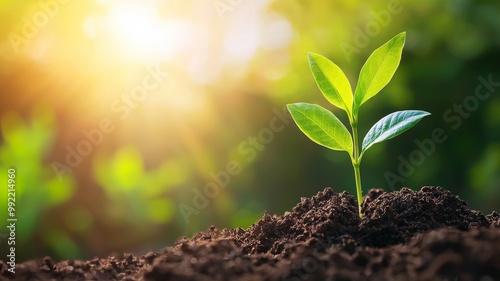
[{"x": 404, "y": 235}]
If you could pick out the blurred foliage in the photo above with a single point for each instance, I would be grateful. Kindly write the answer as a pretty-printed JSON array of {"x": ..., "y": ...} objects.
[
  {"x": 139, "y": 194},
  {"x": 37, "y": 188},
  {"x": 230, "y": 74}
]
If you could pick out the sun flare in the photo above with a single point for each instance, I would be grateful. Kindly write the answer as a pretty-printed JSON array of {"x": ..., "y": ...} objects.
[{"x": 138, "y": 32}]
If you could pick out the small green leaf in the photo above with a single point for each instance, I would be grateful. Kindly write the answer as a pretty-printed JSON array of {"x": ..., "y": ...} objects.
[
  {"x": 332, "y": 82},
  {"x": 391, "y": 126},
  {"x": 321, "y": 126},
  {"x": 378, "y": 70}
]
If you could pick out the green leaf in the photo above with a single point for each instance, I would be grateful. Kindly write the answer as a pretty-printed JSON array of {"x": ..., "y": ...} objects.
[
  {"x": 378, "y": 70},
  {"x": 391, "y": 126},
  {"x": 332, "y": 82},
  {"x": 321, "y": 126}
]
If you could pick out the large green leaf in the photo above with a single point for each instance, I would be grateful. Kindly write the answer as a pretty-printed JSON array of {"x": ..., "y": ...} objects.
[
  {"x": 391, "y": 126},
  {"x": 321, "y": 126},
  {"x": 332, "y": 82},
  {"x": 378, "y": 70}
]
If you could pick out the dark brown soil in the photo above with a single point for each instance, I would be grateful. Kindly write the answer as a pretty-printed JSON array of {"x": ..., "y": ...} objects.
[{"x": 404, "y": 235}]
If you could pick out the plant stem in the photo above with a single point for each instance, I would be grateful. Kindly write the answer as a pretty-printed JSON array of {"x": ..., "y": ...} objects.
[{"x": 355, "y": 164}]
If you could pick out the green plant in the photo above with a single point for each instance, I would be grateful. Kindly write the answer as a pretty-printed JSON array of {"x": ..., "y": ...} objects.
[{"x": 324, "y": 128}]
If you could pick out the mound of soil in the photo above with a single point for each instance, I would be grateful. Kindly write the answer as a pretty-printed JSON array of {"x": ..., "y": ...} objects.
[{"x": 404, "y": 235}]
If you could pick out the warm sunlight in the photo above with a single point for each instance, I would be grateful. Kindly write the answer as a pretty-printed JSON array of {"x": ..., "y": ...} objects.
[
  {"x": 148, "y": 139},
  {"x": 137, "y": 32}
]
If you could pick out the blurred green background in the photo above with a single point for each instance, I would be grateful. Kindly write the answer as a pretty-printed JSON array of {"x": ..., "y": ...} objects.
[{"x": 118, "y": 115}]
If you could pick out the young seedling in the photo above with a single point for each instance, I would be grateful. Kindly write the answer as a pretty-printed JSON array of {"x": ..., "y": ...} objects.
[{"x": 324, "y": 128}]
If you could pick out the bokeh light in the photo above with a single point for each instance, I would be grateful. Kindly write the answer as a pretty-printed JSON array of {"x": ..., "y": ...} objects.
[{"x": 115, "y": 113}]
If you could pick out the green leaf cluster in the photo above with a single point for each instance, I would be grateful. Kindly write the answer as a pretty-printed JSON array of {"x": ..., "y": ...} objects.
[{"x": 324, "y": 128}]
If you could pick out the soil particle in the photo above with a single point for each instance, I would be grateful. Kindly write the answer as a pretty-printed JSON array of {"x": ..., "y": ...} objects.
[
  {"x": 394, "y": 217},
  {"x": 425, "y": 235}
]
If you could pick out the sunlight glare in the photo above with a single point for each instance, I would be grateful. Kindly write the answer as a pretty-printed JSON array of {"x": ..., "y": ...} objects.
[{"x": 140, "y": 33}]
